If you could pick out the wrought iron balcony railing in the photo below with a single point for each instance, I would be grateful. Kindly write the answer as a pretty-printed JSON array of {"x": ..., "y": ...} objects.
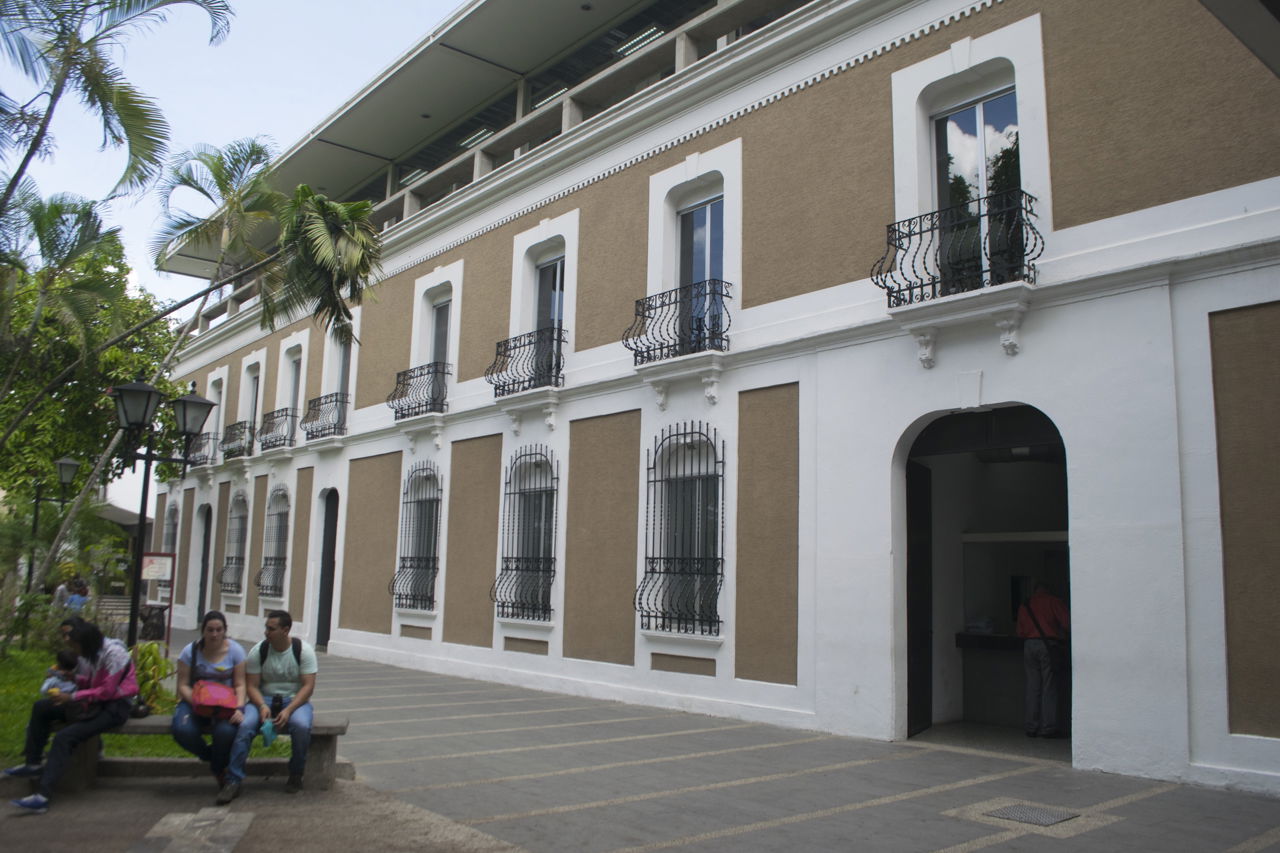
[
  {"x": 982, "y": 243},
  {"x": 237, "y": 441},
  {"x": 531, "y": 360},
  {"x": 686, "y": 320},
  {"x": 271, "y": 578},
  {"x": 681, "y": 594},
  {"x": 414, "y": 585},
  {"x": 522, "y": 589},
  {"x": 278, "y": 429},
  {"x": 231, "y": 578},
  {"x": 204, "y": 449},
  {"x": 420, "y": 390},
  {"x": 326, "y": 415}
]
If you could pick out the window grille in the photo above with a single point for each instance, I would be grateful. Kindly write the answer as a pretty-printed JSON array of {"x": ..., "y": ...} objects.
[
  {"x": 684, "y": 532},
  {"x": 414, "y": 585},
  {"x": 523, "y": 587},
  {"x": 232, "y": 576},
  {"x": 275, "y": 542}
]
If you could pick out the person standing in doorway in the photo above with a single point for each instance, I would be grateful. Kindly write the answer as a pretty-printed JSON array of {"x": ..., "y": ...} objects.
[
  {"x": 1043, "y": 623},
  {"x": 281, "y": 676}
]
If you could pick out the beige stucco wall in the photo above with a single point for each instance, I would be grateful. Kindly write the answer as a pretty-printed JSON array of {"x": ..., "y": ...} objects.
[
  {"x": 600, "y": 543},
  {"x": 157, "y": 522},
  {"x": 302, "y": 504},
  {"x": 386, "y": 327},
  {"x": 682, "y": 663},
  {"x": 184, "y": 545},
  {"x": 221, "y": 512},
  {"x": 471, "y": 564},
  {"x": 257, "y": 526},
  {"x": 768, "y": 535},
  {"x": 369, "y": 553},
  {"x": 1157, "y": 104},
  {"x": 1246, "y": 391}
]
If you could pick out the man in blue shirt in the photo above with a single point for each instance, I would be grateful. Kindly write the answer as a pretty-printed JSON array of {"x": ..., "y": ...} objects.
[{"x": 281, "y": 676}]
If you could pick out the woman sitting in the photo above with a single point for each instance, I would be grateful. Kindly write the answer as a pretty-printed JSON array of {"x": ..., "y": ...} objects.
[
  {"x": 105, "y": 686},
  {"x": 216, "y": 658}
]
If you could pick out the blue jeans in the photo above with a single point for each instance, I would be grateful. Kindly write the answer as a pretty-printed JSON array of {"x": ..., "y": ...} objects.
[
  {"x": 188, "y": 730},
  {"x": 299, "y": 735}
]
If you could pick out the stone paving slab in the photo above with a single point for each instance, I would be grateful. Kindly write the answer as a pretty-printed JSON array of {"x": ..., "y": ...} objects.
[
  {"x": 455, "y": 764},
  {"x": 563, "y": 773}
]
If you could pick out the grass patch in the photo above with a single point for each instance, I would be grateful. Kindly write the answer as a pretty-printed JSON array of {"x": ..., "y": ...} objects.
[{"x": 22, "y": 673}]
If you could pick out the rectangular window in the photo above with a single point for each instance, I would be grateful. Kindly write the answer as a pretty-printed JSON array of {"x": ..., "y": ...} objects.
[
  {"x": 440, "y": 332},
  {"x": 702, "y": 242},
  {"x": 978, "y": 193},
  {"x": 550, "y": 294},
  {"x": 701, "y": 296}
]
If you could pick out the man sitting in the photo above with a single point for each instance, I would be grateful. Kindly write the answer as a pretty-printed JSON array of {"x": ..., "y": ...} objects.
[{"x": 281, "y": 676}]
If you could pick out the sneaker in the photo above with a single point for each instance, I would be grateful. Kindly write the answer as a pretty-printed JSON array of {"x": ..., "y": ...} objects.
[
  {"x": 229, "y": 792},
  {"x": 294, "y": 785},
  {"x": 29, "y": 771},
  {"x": 34, "y": 804}
]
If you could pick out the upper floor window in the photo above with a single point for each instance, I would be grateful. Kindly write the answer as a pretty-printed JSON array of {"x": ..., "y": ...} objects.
[
  {"x": 702, "y": 242},
  {"x": 415, "y": 580},
  {"x": 684, "y": 565},
  {"x": 977, "y": 150}
]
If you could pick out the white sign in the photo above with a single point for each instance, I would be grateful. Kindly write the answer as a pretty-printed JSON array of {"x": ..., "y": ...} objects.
[{"x": 157, "y": 567}]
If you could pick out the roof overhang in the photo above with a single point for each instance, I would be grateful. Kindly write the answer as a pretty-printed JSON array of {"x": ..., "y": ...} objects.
[{"x": 471, "y": 58}]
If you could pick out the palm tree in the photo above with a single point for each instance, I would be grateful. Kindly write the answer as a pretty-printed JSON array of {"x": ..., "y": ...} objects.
[
  {"x": 46, "y": 280},
  {"x": 328, "y": 252},
  {"x": 235, "y": 180},
  {"x": 65, "y": 47}
]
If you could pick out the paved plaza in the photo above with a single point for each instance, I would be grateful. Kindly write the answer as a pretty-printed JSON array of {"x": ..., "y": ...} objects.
[{"x": 454, "y": 764}]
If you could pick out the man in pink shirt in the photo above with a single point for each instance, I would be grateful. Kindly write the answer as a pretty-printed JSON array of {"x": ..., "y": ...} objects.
[{"x": 1043, "y": 622}]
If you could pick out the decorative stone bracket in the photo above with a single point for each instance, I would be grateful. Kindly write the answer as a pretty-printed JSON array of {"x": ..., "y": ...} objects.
[
  {"x": 544, "y": 400},
  {"x": 704, "y": 366},
  {"x": 1003, "y": 305},
  {"x": 429, "y": 424}
]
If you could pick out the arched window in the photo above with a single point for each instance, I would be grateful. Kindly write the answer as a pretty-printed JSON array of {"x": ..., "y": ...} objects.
[
  {"x": 414, "y": 585},
  {"x": 275, "y": 544},
  {"x": 684, "y": 559},
  {"x": 232, "y": 576},
  {"x": 523, "y": 587}
]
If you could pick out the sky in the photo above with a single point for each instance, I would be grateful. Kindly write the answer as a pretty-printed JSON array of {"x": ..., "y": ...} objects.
[{"x": 284, "y": 68}]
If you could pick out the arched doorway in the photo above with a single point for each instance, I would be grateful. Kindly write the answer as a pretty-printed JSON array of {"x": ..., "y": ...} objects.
[
  {"x": 986, "y": 505},
  {"x": 328, "y": 568}
]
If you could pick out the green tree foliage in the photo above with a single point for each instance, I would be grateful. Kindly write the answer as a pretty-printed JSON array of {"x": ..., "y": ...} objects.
[
  {"x": 76, "y": 418},
  {"x": 66, "y": 47}
]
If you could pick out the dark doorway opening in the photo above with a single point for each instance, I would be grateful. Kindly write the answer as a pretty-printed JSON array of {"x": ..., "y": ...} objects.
[
  {"x": 986, "y": 520},
  {"x": 328, "y": 564}
]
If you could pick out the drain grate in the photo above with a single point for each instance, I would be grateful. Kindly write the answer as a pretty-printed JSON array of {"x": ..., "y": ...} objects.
[{"x": 1037, "y": 815}]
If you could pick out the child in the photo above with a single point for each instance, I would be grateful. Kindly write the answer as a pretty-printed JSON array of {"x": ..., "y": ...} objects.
[{"x": 62, "y": 678}]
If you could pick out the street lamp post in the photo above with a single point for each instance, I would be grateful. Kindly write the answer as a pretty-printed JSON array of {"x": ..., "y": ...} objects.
[
  {"x": 67, "y": 468},
  {"x": 136, "y": 405}
]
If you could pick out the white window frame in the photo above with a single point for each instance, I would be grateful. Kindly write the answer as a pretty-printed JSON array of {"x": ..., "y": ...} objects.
[
  {"x": 702, "y": 176},
  {"x": 443, "y": 284},
  {"x": 549, "y": 239},
  {"x": 970, "y": 69}
]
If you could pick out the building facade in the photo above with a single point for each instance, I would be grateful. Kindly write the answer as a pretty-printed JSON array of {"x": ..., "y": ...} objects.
[{"x": 757, "y": 358}]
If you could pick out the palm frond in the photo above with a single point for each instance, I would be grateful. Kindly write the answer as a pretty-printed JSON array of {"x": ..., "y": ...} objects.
[{"x": 114, "y": 16}]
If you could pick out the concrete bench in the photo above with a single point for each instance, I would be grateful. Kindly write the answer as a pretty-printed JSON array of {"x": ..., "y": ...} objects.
[{"x": 323, "y": 766}]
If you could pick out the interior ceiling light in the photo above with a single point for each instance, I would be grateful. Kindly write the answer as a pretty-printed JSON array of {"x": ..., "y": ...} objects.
[
  {"x": 476, "y": 138},
  {"x": 548, "y": 98},
  {"x": 636, "y": 42}
]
